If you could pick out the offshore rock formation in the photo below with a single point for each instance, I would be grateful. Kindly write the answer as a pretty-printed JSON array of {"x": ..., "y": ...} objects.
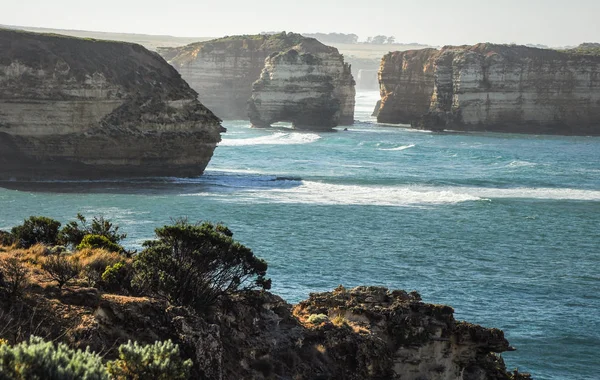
[
  {"x": 76, "y": 108},
  {"x": 308, "y": 85},
  {"x": 223, "y": 71},
  {"x": 358, "y": 334},
  {"x": 490, "y": 87}
]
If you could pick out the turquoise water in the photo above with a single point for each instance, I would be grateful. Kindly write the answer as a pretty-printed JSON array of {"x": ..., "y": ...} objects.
[{"x": 504, "y": 228}]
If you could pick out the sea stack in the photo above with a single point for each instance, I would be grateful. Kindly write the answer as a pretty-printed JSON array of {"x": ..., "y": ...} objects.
[
  {"x": 487, "y": 87},
  {"x": 308, "y": 85},
  {"x": 224, "y": 70},
  {"x": 83, "y": 108}
]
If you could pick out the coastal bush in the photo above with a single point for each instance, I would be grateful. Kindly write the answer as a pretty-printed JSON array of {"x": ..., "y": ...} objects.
[
  {"x": 61, "y": 269},
  {"x": 36, "y": 229},
  {"x": 94, "y": 262},
  {"x": 73, "y": 233},
  {"x": 14, "y": 276},
  {"x": 6, "y": 238},
  {"x": 37, "y": 360},
  {"x": 117, "y": 277},
  {"x": 159, "y": 361},
  {"x": 195, "y": 264},
  {"x": 99, "y": 242}
]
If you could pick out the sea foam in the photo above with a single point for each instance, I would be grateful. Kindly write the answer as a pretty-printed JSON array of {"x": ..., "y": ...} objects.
[{"x": 279, "y": 138}]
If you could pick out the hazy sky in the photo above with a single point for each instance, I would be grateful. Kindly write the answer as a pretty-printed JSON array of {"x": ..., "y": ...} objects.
[{"x": 437, "y": 22}]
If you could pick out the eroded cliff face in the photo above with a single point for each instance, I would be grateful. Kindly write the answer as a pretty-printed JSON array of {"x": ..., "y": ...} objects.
[
  {"x": 354, "y": 334},
  {"x": 490, "y": 87},
  {"x": 223, "y": 71},
  {"x": 308, "y": 85},
  {"x": 76, "y": 108},
  {"x": 406, "y": 85}
]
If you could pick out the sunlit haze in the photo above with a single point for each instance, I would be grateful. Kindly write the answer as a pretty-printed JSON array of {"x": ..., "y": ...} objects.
[{"x": 436, "y": 22}]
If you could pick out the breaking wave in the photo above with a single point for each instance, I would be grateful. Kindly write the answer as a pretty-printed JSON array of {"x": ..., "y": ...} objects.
[{"x": 279, "y": 138}]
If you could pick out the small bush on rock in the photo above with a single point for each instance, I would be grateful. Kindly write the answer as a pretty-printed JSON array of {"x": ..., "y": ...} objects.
[
  {"x": 36, "y": 229},
  {"x": 37, "y": 360},
  {"x": 195, "y": 264},
  {"x": 160, "y": 361},
  {"x": 317, "y": 319},
  {"x": 61, "y": 268}
]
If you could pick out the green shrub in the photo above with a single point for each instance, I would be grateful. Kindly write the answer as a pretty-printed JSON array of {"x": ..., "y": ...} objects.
[
  {"x": 72, "y": 233},
  {"x": 6, "y": 238},
  {"x": 94, "y": 264},
  {"x": 36, "y": 229},
  {"x": 160, "y": 361},
  {"x": 99, "y": 242},
  {"x": 117, "y": 277},
  {"x": 13, "y": 276},
  {"x": 39, "y": 360},
  {"x": 317, "y": 319},
  {"x": 193, "y": 265},
  {"x": 61, "y": 268}
]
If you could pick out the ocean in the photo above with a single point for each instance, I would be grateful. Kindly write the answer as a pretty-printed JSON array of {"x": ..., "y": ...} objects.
[{"x": 502, "y": 227}]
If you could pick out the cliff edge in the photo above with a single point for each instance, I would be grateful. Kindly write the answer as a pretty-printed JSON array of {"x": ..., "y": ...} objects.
[
  {"x": 83, "y": 108},
  {"x": 488, "y": 87}
]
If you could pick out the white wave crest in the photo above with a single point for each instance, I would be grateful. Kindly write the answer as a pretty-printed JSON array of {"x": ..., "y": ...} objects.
[
  {"x": 279, "y": 138},
  {"x": 403, "y": 147},
  {"x": 318, "y": 193},
  {"x": 521, "y": 164}
]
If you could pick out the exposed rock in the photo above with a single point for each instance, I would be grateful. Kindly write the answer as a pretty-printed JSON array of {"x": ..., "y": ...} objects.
[
  {"x": 363, "y": 333},
  {"x": 224, "y": 70},
  {"x": 81, "y": 108},
  {"x": 406, "y": 81},
  {"x": 308, "y": 85},
  {"x": 490, "y": 87}
]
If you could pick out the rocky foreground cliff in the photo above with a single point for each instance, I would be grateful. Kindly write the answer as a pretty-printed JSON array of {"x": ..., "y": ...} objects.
[
  {"x": 292, "y": 71},
  {"x": 489, "y": 87},
  {"x": 83, "y": 108},
  {"x": 354, "y": 334}
]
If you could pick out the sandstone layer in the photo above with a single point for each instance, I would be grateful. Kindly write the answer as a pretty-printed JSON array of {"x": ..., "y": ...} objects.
[
  {"x": 81, "y": 108},
  {"x": 489, "y": 87},
  {"x": 355, "y": 334},
  {"x": 223, "y": 71},
  {"x": 308, "y": 85}
]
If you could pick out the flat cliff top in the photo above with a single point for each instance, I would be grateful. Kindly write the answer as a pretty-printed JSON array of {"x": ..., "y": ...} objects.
[
  {"x": 584, "y": 51},
  {"x": 125, "y": 64},
  {"x": 246, "y": 43}
]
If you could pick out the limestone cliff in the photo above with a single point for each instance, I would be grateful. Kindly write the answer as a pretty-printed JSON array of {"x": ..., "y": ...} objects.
[
  {"x": 489, "y": 87},
  {"x": 81, "y": 108},
  {"x": 406, "y": 85},
  {"x": 358, "y": 334},
  {"x": 223, "y": 71},
  {"x": 308, "y": 85}
]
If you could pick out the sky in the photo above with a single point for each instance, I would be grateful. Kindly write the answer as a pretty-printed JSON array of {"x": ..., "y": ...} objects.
[{"x": 434, "y": 22}]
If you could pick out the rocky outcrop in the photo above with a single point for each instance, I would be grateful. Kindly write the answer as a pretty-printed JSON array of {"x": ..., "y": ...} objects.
[
  {"x": 308, "y": 85},
  {"x": 81, "y": 108},
  {"x": 355, "y": 334},
  {"x": 223, "y": 71},
  {"x": 490, "y": 87}
]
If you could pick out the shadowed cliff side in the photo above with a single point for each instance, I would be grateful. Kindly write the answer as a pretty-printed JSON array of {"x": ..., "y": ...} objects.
[
  {"x": 82, "y": 108},
  {"x": 489, "y": 87},
  {"x": 223, "y": 71}
]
